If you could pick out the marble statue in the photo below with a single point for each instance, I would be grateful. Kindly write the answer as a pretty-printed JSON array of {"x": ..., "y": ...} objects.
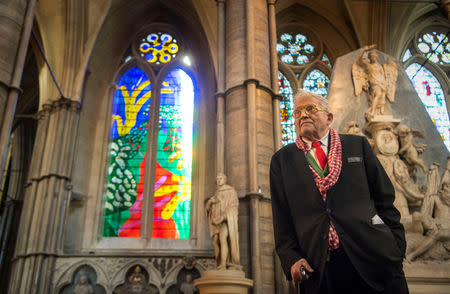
[
  {"x": 187, "y": 287},
  {"x": 83, "y": 286},
  {"x": 222, "y": 212},
  {"x": 433, "y": 219},
  {"x": 409, "y": 150},
  {"x": 379, "y": 80}
]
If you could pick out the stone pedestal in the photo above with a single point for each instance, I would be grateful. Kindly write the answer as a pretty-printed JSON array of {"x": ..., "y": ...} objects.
[
  {"x": 428, "y": 277},
  {"x": 223, "y": 282}
]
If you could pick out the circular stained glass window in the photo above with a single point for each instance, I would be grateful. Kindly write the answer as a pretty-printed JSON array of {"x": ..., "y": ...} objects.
[
  {"x": 435, "y": 47},
  {"x": 295, "y": 49},
  {"x": 158, "y": 48}
]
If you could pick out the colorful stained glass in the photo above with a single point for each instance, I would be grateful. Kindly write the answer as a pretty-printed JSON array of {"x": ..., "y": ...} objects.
[
  {"x": 316, "y": 82},
  {"x": 158, "y": 48},
  {"x": 430, "y": 92},
  {"x": 407, "y": 55},
  {"x": 172, "y": 196},
  {"x": 130, "y": 111},
  {"x": 288, "y": 134},
  {"x": 435, "y": 47},
  {"x": 295, "y": 49},
  {"x": 326, "y": 60}
]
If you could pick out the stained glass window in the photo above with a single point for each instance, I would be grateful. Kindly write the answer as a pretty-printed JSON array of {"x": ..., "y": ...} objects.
[
  {"x": 158, "y": 48},
  {"x": 430, "y": 92},
  {"x": 295, "y": 49},
  {"x": 130, "y": 111},
  {"x": 435, "y": 47},
  {"x": 172, "y": 191},
  {"x": 316, "y": 82},
  {"x": 326, "y": 60},
  {"x": 407, "y": 55},
  {"x": 288, "y": 134}
]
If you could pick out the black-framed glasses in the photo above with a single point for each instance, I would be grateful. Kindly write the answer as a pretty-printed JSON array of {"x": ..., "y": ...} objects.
[{"x": 309, "y": 109}]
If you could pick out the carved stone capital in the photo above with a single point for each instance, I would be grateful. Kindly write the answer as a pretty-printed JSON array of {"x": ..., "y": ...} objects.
[{"x": 58, "y": 105}]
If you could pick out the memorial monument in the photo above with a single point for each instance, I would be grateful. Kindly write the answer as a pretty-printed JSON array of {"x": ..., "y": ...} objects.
[{"x": 410, "y": 150}]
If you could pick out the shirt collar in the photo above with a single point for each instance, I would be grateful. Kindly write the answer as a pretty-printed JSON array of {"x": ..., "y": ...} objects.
[{"x": 323, "y": 141}]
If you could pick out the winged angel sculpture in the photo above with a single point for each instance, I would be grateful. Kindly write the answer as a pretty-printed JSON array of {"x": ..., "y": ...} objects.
[{"x": 378, "y": 80}]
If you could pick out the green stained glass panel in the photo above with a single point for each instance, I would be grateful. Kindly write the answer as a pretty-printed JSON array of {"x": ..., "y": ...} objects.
[{"x": 172, "y": 191}]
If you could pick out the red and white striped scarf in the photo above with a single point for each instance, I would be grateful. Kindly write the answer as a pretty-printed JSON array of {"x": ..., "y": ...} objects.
[
  {"x": 324, "y": 184},
  {"x": 334, "y": 163}
]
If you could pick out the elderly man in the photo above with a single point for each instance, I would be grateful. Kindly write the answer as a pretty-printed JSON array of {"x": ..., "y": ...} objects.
[{"x": 336, "y": 228}]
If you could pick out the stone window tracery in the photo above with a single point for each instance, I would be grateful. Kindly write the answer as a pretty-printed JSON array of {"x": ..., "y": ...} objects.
[
  {"x": 303, "y": 64},
  {"x": 426, "y": 60},
  {"x": 151, "y": 139}
]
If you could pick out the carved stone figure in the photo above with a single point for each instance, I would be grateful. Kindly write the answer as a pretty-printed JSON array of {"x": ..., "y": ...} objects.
[
  {"x": 137, "y": 284},
  {"x": 222, "y": 211},
  {"x": 406, "y": 192},
  {"x": 353, "y": 128},
  {"x": 433, "y": 179},
  {"x": 433, "y": 221},
  {"x": 446, "y": 176},
  {"x": 409, "y": 150},
  {"x": 187, "y": 287},
  {"x": 378, "y": 80},
  {"x": 83, "y": 286}
]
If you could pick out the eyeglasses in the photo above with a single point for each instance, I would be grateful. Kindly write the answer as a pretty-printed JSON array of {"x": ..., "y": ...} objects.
[{"x": 309, "y": 109}]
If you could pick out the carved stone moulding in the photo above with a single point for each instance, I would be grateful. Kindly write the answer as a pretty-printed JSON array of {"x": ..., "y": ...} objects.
[{"x": 123, "y": 274}]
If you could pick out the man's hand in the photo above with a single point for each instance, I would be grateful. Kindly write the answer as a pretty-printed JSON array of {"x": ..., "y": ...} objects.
[{"x": 301, "y": 271}]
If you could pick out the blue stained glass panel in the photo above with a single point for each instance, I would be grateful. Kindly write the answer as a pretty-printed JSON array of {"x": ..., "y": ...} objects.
[
  {"x": 316, "y": 82},
  {"x": 128, "y": 146},
  {"x": 288, "y": 134},
  {"x": 430, "y": 92}
]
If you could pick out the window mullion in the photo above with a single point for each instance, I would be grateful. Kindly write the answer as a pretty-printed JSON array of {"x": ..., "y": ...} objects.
[{"x": 150, "y": 165}]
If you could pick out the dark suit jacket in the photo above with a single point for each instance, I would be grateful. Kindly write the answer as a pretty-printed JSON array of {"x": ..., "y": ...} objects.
[{"x": 301, "y": 218}]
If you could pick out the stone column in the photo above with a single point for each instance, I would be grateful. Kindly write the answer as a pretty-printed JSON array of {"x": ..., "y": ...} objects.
[
  {"x": 46, "y": 200},
  {"x": 249, "y": 136},
  {"x": 274, "y": 74},
  {"x": 220, "y": 86},
  {"x": 16, "y": 20}
]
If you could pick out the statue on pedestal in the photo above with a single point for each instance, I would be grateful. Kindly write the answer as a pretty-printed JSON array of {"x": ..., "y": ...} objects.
[
  {"x": 377, "y": 79},
  {"x": 222, "y": 211}
]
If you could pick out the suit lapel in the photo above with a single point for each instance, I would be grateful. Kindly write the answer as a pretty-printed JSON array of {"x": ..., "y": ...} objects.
[{"x": 301, "y": 171}]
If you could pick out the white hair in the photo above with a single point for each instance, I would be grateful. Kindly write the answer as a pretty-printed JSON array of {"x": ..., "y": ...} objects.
[{"x": 323, "y": 101}]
